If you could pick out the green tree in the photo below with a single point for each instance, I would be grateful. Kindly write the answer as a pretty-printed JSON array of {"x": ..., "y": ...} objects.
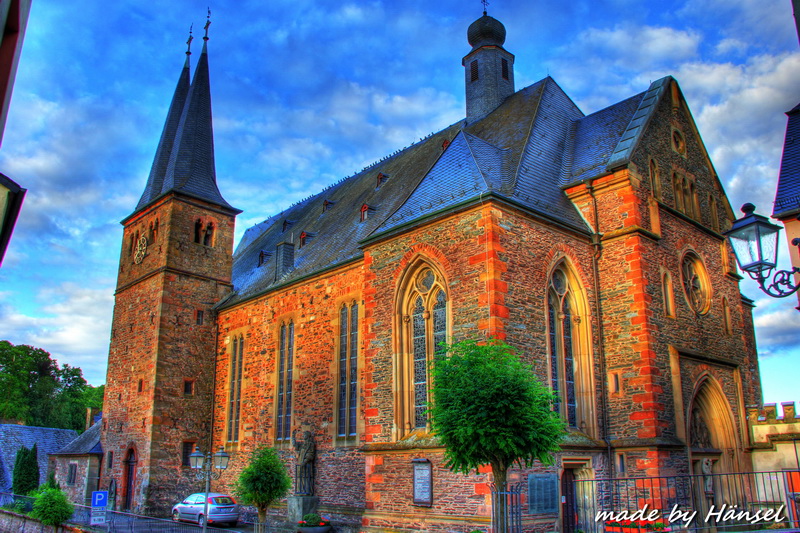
[
  {"x": 25, "y": 477},
  {"x": 39, "y": 392},
  {"x": 263, "y": 481},
  {"x": 488, "y": 407},
  {"x": 51, "y": 507}
]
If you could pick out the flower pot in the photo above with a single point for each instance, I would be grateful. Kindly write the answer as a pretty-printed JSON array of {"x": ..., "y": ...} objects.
[{"x": 313, "y": 529}]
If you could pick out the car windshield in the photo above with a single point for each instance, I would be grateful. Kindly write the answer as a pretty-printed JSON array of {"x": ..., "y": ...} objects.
[{"x": 224, "y": 500}]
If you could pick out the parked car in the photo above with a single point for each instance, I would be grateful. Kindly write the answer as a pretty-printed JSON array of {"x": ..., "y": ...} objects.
[{"x": 222, "y": 509}]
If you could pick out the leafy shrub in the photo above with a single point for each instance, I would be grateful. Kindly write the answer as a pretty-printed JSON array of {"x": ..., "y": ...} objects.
[
  {"x": 313, "y": 520},
  {"x": 52, "y": 508}
]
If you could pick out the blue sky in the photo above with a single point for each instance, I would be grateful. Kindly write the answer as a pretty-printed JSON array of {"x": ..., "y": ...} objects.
[{"x": 306, "y": 92}]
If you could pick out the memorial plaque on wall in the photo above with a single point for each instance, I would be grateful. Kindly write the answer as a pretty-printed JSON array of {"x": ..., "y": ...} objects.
[{"x": 423, "y": 482}]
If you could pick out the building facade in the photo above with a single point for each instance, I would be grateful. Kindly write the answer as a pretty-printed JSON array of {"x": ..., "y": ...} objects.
[{"x": 592, "y": 244}]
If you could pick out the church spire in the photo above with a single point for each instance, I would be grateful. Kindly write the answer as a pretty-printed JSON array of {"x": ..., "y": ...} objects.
[
  {"x": 185, "y": 156},
  {"x": 155, "y": 181}
]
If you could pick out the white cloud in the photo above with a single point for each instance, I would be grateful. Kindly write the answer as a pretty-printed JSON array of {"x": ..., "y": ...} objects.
[{"x": 74, "y": 326}]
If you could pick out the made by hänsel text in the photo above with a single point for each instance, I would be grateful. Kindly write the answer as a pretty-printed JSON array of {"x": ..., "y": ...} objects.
[{"x": 722, "y": 514}]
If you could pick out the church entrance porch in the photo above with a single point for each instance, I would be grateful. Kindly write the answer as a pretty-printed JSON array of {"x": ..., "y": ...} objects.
[{"x": 704, "y": 501}]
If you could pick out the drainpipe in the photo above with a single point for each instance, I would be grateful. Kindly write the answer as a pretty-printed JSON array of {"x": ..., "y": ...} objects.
[{"x": 598, "y": 252}]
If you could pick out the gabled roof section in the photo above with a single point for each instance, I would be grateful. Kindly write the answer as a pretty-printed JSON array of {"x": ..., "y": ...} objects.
[
  {"x": 12, "y": 437},
  {"x": 87, "y": 443},
  {"x": 787, "y": 196},
  {"x": 469, "y": 166},
  {"x": 155, "y": 182},
  {"x": 599, "y": 142}
]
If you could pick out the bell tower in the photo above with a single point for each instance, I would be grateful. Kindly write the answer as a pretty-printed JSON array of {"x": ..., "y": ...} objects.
[
  {"x": 488, "y": 68},
  {"x": 175, "y": 265}
]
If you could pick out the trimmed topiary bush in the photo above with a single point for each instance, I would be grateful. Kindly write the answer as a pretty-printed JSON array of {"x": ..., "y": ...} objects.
[{"x": 52, "y": 508}]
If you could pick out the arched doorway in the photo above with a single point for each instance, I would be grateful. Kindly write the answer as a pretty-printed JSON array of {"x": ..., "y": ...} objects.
[
  {"x": 129, "y": 479},
  {"x": 712, "y": 446}
]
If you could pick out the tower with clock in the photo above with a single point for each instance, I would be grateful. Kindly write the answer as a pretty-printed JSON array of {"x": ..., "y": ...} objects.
[{"x": 175, "y": 265}]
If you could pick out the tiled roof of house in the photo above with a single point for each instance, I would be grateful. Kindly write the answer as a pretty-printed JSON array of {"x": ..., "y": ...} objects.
[
  {"x": 787, "y": 196},
  {"x": 12, "y": 437},
  {"x": 526, "y": 151},
  {"x": 87, "y": 443}
]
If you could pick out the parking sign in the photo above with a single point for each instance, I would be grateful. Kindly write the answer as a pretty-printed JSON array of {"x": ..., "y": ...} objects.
[{"x": 100, "y": 499}]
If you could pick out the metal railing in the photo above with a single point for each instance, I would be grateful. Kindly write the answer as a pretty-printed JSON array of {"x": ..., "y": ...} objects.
[
  {"x": 698, "y": 502},
  {"x": 507, "y": 509}
]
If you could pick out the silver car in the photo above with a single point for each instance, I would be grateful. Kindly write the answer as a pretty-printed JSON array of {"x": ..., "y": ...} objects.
[{"x": 222, "y": 509}]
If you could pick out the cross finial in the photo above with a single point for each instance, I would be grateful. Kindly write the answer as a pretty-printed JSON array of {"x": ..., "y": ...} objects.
[
  {"x": 208, "y": 23},
  {"x": 485, "y": 5},
  {"x": 189, "y": 41}
]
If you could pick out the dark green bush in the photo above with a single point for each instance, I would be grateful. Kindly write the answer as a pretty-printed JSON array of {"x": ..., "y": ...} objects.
[{"x": 52, "y": 508}]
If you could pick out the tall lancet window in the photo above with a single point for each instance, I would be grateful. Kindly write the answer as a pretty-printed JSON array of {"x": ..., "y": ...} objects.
[
  {"x": 348, "y": 370},
  {"x": 423, "y": 312},
  {"x": 569, "y": 368},
  {"x": 283, "y": 422},
  {"x": 235, "y": 388}
]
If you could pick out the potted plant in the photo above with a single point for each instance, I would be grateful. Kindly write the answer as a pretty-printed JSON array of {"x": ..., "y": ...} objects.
[{"x": 313, "y": 523}]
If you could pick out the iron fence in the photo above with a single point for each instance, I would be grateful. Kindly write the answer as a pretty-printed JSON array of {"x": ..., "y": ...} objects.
[
  {"x": 699, "y": 502},
  {"x": 507, "y": 509}
]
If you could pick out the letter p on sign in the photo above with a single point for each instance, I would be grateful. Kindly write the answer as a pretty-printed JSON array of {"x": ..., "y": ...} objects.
[{"x": 99, "y": 498}]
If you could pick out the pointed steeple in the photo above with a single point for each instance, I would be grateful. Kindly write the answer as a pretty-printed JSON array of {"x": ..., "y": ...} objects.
[
  {"x": 185, "y": 158},
  {"x": 155, "y": 181},
  {"x": 191, "y": 168}
]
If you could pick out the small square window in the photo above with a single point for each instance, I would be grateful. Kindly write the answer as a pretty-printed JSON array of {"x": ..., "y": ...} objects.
[{"x": 188, "y": 387}]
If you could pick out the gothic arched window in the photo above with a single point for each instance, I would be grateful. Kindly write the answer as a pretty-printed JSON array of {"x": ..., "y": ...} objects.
[
  {"x": 423, "y": 310},
  {"x": 569, "y": 363}
]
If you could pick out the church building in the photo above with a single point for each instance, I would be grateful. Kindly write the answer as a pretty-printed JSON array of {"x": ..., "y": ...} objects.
[{"x": 592, "y": 244}]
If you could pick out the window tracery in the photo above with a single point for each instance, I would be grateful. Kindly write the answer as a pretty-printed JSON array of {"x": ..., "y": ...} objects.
[{"x": 424, "y": 317}]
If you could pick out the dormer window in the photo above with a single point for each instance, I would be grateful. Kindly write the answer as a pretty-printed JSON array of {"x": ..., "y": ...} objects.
[
  {"x": 305, "y": 238},
  {"x": 327, "y": 204},
  {"x": 445, "y": 144},
  {"x": 287, "y": 224},
  {"x": 366, "y": 209},
  {"x": 381, "y": 179},
  {"x": 263, "y": 256}
]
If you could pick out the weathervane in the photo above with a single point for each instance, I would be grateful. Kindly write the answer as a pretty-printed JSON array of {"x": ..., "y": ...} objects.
[
  {"x": 189, "y": 41},
  {"x": 208, "y": 23},
  {"x": 485, "y": 5}
]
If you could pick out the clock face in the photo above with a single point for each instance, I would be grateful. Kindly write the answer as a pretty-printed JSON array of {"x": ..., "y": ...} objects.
[{"x": 141, "y": 249}]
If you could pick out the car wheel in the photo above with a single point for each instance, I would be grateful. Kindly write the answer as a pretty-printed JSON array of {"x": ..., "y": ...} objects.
[
  {"x": 201, "y": 520},
  {"x": 175, "y": 516}
]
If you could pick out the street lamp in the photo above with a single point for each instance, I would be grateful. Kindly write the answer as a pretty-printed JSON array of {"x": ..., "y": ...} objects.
[
  {"x": 755, "y": 243},
  {"x": 203, "y": 470}
]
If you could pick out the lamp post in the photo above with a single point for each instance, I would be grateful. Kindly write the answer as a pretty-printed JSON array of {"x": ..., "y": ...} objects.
[
  {"x": 203, "y": 469},
  {"x": 755, "y": 243}
]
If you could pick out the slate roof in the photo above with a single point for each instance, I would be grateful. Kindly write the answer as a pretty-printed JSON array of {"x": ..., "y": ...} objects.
[
  {"x": 526, "y": 151},
  {"x": 184, "y": 160},
  {"x": 12, "y": 437},
  {"x": 787, "y": 196},
  {"x": 87, "y": 443}
]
